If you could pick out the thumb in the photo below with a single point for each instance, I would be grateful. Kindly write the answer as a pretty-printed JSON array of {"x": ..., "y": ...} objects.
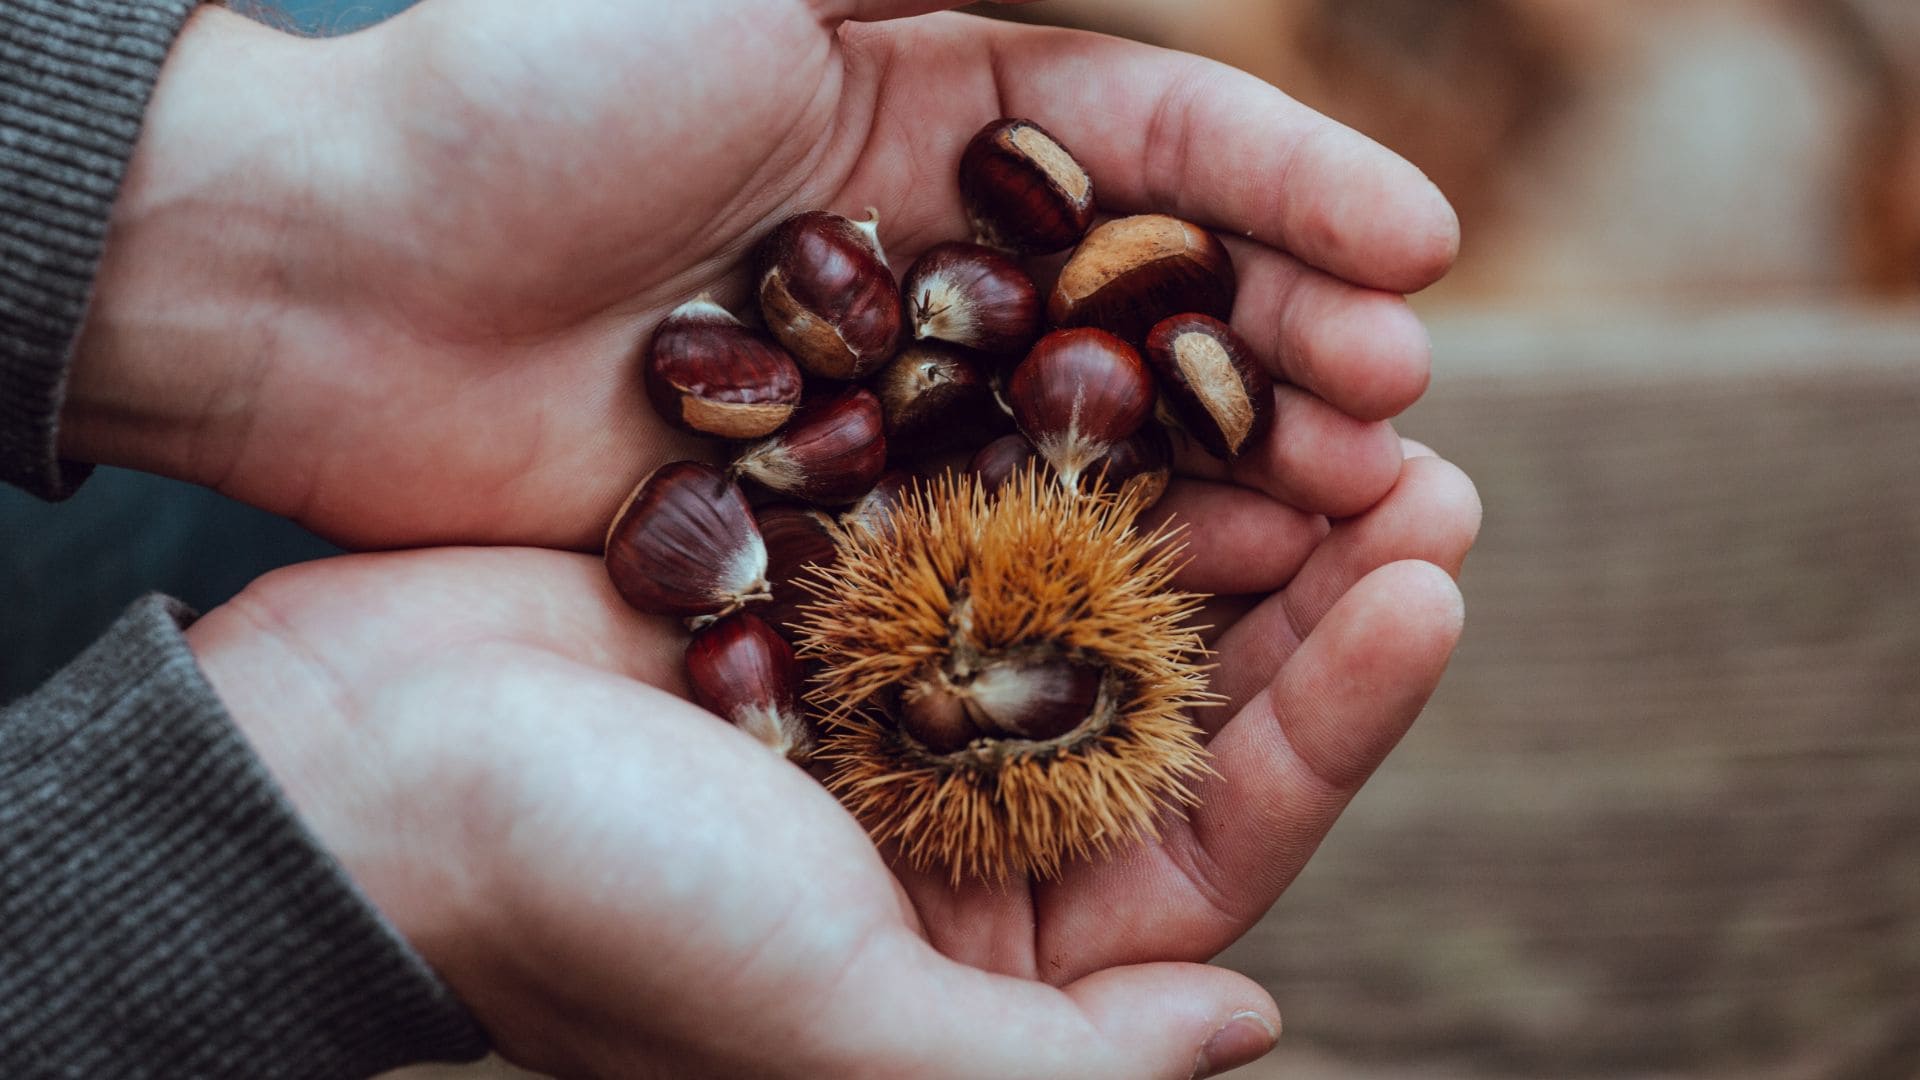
[
  {"x": 834, "y": 12},
  {"x": 1179, "y": 1020},
  {"x": 1162, "y": 1021}
]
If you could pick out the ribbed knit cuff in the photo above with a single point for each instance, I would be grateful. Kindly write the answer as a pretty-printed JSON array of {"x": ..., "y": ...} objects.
[
  {"x": 75, "y": 76},
  {"x": 163, "y": 913}
]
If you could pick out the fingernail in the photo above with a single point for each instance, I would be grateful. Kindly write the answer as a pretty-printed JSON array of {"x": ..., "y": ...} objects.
[{"x": 1245, "y": 1039}]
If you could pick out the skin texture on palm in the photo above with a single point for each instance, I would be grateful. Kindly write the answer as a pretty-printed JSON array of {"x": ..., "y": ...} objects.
[
  {"x": 392, "y": 285},
  {"x": 410, "y": 317}
]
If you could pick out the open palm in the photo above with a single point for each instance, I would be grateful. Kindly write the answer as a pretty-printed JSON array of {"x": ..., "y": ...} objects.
[
  {"x": 501, "y": 200},
  {"x": 620, "y": 884}
]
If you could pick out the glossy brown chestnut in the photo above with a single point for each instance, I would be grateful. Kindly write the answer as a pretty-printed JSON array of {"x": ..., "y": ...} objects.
[
  {"x": 685, "y": 544},
  {"x": 972, "y": 296},
  {"x": 830, "y": 453},
  {"x": 935, "y": 398},
  {"x": 1023, "y": 190},
  {"x": 707, "y": 373},
  {"x": 876, "y": 507},
  {"x": 1131, "y": 272},
  {"x": 797, "y": 538},
  {"x": 828, "y": 295},
  {"x": 742, "y": 669},
  {"x": 1220, "y": 394},
  {"x": 997, "y": 461},
  {"x": 1077, "y": 395},
  {"x": 1008, "y": 698}
]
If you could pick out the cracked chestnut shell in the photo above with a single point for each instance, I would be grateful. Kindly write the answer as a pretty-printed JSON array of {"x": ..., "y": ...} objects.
[
  {"x": 827, "y": 293},
  {"x": 1132, "y": 272},
  {"x": 706, "y": 373},
  {"x": 1023, "y": 190},
  {"x": 1207, "y": 373}
]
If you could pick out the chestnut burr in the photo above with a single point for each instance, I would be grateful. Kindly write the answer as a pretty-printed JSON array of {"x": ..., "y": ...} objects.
[
  {"x": 1207, "y": 373},
  {"x": 972, "y": 296},
  {"x": 830, "y": 453},
  {"x": 708, "y": 374},
  {"x": 1078, "y": 394},
  {"x": 1132, "y": 272},
  {"x": 685, "y": 545},
  {"x": 1023, "y": 191},
  {"x": 828, "y": 295},
  {"x": 743, "y": 670}
]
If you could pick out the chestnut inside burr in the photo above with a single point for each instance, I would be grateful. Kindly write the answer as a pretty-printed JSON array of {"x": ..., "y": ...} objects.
[{"x": 984, "y": 705}]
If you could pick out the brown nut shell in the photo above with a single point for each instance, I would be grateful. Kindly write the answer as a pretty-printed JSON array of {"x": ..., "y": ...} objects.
[
  {"x": 936, "y": 397},
  {"x": 973, "y": 296},
  {"x": 1132, "y": 272},
  {"x": 1141, "y": 466},
  {"x": 1078, "y": 394},
  {"x": 828, "y": 295},
  {"x": 830, "y": 453},
  {"x": 1207, "y": 373},
  {"x": 706, "y": 373},
  {"x": 742, "y": 669},
  {"x": 797, "y": 538},
  {"x": 1023, "y": 190},
  {"x": 998, "y": 461},
  {"x": 685, "y": 544}
]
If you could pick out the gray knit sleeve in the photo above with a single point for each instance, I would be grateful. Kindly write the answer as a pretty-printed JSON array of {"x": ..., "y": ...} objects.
[
  {"x": 163, "y": 913},
  {"x": 75, "y": 76}
]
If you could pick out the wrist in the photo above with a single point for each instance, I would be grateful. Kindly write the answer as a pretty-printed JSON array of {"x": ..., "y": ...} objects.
[{"x": 192, "y": 283}]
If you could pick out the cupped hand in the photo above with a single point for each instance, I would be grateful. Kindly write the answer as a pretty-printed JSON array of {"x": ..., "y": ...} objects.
[
  {"x": 393, "y": 285},
  {"x": 620, "y": 884}
]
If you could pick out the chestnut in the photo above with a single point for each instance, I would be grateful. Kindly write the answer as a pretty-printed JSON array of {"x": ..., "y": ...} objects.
[
  {"x": 1078, "y": 394},
  {"x": 797, "y": 538},
  {"x": 830, "y": 453},
  {"x": 876, "y": 507},
  {"x": 972, "y": 296},
  {"x": 996, "y": 462},
  {"x": 1207, "y": 373},
  {"x": 827, "y": 293},
  {"x": 743, "y": 670},
  {"x": 935, "y": 398},
  {"x": 1032, "y": 699},
  {"x": 1132, "y": 272},
  {"x": 1141, "y": 466},
  {"x": 1023, "y": 191},
  {"x": 708, "y": 374},
  {"x": 685, "y": 544}
]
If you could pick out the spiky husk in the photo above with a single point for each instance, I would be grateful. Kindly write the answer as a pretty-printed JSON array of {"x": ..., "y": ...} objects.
[{"x": 1039, "y": 564}]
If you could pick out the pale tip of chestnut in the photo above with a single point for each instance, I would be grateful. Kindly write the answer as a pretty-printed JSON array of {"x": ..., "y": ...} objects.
[
  {"x": 742, "y": 669},
  {"x": 1077, "y": 395}
]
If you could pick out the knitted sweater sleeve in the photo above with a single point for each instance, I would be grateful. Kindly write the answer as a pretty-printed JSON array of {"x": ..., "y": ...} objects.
[{"x": 163, "y": 912}]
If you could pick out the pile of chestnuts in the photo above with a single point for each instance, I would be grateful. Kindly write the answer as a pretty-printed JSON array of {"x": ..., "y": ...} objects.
[{"x": 845, "y": 390}]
